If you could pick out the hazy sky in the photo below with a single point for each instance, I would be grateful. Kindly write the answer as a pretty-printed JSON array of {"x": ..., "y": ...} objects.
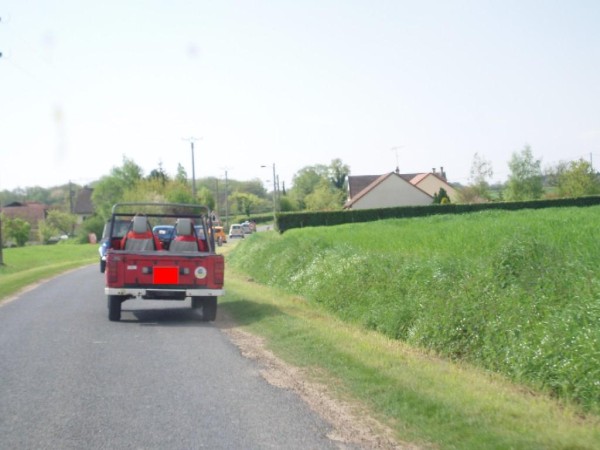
[{"x": 294, "y": 83}]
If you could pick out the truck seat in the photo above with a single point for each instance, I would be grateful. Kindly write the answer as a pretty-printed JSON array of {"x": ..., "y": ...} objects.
[
  {"x": 185, "y": 237},
  {"x": 140, "y": 236}
]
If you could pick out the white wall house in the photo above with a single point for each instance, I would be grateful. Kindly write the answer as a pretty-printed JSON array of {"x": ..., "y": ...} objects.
[{"x": 386, "y": 191}]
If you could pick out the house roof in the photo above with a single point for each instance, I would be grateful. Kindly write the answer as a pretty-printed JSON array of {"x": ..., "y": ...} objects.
[
  {"x": 376, "y": 181},
  {"x": 32, "y": 212},
  {"x": 83, "y": 202},
  {"x": 357, "y": 183}
]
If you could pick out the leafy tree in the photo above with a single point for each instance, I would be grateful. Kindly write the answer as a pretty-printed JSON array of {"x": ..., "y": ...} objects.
[
  {"x": 481, "y": 172},
  {"x": 338, "y": 174},
  {"x": 159, "y": 174},
  {"x": 305, "y": 181},
  {"x": 206, "y": 197},
  {"x": 179, "y": 192},
  {"x": 111, "y": 188},
  {"x": 441, "y": 197},
  {"x": 244, "y": 203},
  {"x": 578, "y": 179},
  {"x": 181, "y": 175},
  {"x": 63, "y": 222},
  {"x": 325, "y": 197},
  {"x": 18, "y": 230},
  {"x": 286, "y": 204},
  {"x": 525, "y": 181}
]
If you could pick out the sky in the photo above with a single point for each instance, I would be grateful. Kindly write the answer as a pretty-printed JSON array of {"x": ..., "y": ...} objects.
[{"x": 263, "y": 85}]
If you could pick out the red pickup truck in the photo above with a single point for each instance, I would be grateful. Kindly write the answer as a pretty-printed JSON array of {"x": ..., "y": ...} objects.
[{"x": 140, "y": 265}]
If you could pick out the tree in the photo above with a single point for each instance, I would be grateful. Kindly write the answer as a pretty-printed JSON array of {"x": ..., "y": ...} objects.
[
  {"x": 338, "y": 174},
  {"x": 159, "y": 174},
  {"x": 61, "y": 222},
  {"x": 305, "y": 181},
  {"x": 324, "y": 198},
  {"x": 206, "y": 197},
  {"x": 18, "y": 229},
  {"x": 441, "y": 197},
  {"x": 244, "y": 203},
  {"x": 111, "y": 188},
  {"x": 525, "y": 181},
  {"x": 181, "y": 175},
  {"x": 578, "y": 179},
  {"x": 481, "y": 172}
]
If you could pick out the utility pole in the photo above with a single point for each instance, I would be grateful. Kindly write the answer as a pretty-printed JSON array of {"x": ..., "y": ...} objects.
[{"x": 191, "y": 140}]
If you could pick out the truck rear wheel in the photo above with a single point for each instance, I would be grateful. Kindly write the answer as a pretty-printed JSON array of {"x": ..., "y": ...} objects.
[
  {"x": 114, "y": 307},
  {"x": 208, "y": 305},
  {"x": 209, "y": 309}
]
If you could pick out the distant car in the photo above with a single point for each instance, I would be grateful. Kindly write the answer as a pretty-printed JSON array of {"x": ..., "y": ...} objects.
[
  {"x": 220, "y": 236},
  {"x": 236, "y": 231},
  {"x": 246, "y": 228},
  {"x": 164, "y": 233}
]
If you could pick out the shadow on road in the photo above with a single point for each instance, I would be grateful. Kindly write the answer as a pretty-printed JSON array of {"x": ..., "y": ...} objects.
[{"x": 171, "y": 317}]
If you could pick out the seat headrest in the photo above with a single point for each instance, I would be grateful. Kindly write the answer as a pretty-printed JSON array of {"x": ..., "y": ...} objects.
[
  {"x": 184, "y": 227},
  {"x": 140, "y": 224}
]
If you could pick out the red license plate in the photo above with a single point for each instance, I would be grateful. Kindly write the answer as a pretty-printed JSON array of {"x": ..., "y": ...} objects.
[{"x": 165, "y": 275}]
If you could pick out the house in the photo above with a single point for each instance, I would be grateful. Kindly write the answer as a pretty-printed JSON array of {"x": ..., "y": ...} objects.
[
  {"x": 396, "y": 189},
  {"x": 432, "y": 182},
  {"x": 32, "y": 212},
  {"x": 83, "y": 207},
  {"x": 384, "y": 191}
]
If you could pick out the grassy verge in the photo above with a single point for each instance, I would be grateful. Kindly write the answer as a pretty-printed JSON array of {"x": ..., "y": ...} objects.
[
  {"x": 27, "y": 265},
  {"x": 516, "y": 293},
  {"x": 425, "y": 399}
]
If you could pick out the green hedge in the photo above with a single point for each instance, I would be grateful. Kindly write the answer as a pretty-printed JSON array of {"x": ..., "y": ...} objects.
[{"x": 287, "y": 221}]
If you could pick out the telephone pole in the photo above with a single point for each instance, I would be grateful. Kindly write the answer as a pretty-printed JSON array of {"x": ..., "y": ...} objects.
[{"x": 191, "y": 140}]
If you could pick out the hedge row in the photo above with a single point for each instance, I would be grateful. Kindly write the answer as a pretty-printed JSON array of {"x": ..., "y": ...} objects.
[{"x": 287, "y": 221}]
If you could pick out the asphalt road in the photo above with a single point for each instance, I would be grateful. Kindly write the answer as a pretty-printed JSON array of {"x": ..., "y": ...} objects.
[{"x": 159, "y": 379}]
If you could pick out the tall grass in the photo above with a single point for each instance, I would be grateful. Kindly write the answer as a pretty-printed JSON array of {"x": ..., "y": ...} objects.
[{"x": 514, "y": 292}]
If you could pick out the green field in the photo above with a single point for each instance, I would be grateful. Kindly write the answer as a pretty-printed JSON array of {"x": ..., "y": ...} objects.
[
  {"x": 26, "y": 265},
  {"x": 515, "y": 293}
]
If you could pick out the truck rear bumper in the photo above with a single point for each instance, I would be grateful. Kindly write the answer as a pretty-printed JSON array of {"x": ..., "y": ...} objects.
[{"x": 150, "y": 292}]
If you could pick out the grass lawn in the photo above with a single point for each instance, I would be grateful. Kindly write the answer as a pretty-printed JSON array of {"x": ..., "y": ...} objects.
[{"x": 26, "y": 265}]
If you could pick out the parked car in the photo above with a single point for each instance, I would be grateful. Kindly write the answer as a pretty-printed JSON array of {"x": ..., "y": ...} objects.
[
  {"x": 235, "y": 231},
  {"x": 246, "y": 228}
]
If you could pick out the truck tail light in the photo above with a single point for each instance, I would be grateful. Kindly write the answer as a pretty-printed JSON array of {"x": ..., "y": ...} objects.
[
  {"x": 219, "y": 271},
  {"x": 111, "y": 271}
]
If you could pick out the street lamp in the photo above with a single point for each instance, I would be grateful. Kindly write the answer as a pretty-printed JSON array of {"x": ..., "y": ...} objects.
[{"x": 274, "y": 191}]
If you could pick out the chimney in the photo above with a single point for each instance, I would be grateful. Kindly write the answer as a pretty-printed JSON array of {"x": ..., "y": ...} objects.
[
  {"x": 433, "y": 169},
  {"x": 442, "y": 173}
]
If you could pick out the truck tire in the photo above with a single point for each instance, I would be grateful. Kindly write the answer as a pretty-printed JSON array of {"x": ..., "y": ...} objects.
[
  {"x": 114, "y": 307},
  {"x": 208, "y": 305},
  {"x": 209, "y": 309},
  {"x": 102, "y": 266}
]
